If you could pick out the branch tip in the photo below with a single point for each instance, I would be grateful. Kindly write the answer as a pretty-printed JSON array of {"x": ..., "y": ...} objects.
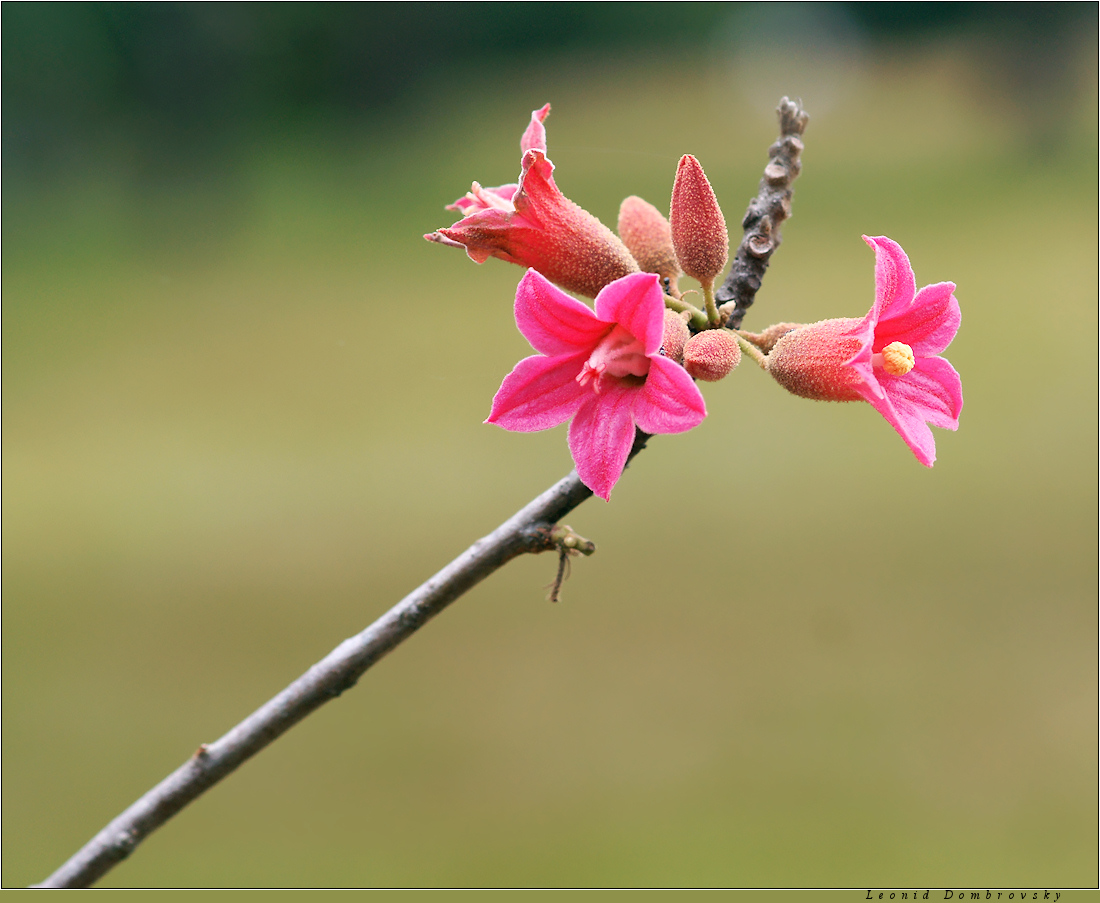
[{"x": 765, "y": 214}]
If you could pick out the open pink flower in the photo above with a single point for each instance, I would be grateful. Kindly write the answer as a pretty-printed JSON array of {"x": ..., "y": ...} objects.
[
  {"x": 533, "y": 224},
  {"x": 604, "y": 370},
  {"x": 890, "y": 358}
]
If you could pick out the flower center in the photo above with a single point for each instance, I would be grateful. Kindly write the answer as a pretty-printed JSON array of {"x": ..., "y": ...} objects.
[
  {"x": 617, "y": 355},
  {"x": 896, "y": 359}
]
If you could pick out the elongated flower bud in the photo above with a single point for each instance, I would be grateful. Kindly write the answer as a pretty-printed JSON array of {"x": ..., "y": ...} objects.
[
  {"x": 648, "y": 236},
  {"x": 698, "y": 227},
  {"x": 711, "y": 355}
]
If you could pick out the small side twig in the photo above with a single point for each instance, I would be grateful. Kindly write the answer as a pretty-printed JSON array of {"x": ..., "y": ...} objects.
[
  {"x": 764, "y": 216},
  {"x": 568, "y": 544}
]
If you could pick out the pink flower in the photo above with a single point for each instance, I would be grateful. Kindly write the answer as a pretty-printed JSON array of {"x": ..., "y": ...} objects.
[
  {"x": 890, "y": 358},
  {"x": 533, "y": 224},
  {"x": 604, "y": 370}
]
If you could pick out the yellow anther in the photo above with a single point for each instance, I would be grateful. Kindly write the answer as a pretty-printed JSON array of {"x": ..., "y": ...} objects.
[{"x": 897, "y": 359}]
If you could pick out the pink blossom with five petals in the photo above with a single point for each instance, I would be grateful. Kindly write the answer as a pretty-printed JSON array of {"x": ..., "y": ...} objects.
[
  {"x": 890, "y": 358},
  {"x": 604, "y": 370},
  {"x": 533, "y": 224}
]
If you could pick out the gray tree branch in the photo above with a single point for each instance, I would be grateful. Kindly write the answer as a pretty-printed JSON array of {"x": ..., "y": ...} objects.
[
  {"x": 527, "y": 531},
  {"x": 765, "y": 215}
]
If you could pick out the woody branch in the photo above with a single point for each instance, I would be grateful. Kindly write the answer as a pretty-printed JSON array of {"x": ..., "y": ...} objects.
[
  {"x": 530, "y": 530},
  {"x": 765, "y": 215}
]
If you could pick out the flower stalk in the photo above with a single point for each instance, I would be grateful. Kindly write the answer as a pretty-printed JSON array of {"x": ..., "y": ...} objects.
[
  {"x": 699, "y": 320},
  {"x": 752, "y": 351}
]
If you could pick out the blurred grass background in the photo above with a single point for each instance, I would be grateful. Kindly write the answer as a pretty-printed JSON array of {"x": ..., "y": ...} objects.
[{"x": 242, "y": 405}]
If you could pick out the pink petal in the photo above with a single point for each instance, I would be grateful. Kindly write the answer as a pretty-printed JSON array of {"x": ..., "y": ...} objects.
[
  {"x": 636, "y": 303},
  {"x": 484, "y": 234},
  {"x": 535, "y": 134},
  {"x": 539, "y": 393},
  {"x": 467, "y": 205},
  {"x": 910, "y": 427},
  {"x": 669, "y": 402},
  {"x": 930, "y": 393},
  {"x": 932, "y": 389},
  {"x": 536, "y": 182},
  {"x": 927, "y": 325},
  {"x": 864, "y": 330},
  {"x": 444, "y": 240},
  {"x": 894, "y": 281},
  {"x": 600, "y": 437},
  {"x": 552, "y": 321}
]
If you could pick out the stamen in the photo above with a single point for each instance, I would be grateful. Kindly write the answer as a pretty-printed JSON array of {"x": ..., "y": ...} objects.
[
  {"x": 591, "y": 374},
  {"x": 897, "y": 359},
  {"x": 487, "y": 199},
  {"x": 617, "y": 355}
]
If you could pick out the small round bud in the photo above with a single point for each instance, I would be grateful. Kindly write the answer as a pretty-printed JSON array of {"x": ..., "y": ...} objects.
[
  {"x": 711, "y": 355},
  {"x": 675, "y": 337}
]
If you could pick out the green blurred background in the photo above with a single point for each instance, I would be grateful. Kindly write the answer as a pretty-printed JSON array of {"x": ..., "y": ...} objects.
[{"x": 242, "y": 405}]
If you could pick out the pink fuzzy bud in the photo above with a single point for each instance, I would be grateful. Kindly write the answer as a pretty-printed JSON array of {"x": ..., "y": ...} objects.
[
  {"x": 648, "y": 236},
  {"x": 675, "y": 336},
  {"x": 698, "y": 227},
  {"x": 711, "y": 355}
]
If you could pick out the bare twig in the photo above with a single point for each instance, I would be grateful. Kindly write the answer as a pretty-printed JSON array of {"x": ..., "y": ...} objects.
[
  {"x": 529, "y": 530},
  {"x": 766, "y": 213}
]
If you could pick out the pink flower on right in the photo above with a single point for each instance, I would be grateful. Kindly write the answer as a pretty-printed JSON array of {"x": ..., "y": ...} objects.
[{"x": 890, "y": 358}]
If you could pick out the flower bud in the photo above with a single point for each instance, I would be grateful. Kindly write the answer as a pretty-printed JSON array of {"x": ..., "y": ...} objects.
[
  {"x": 675, "y": 336},
  {"x": 711, "y": 355},
  {"x": 698, "y": 227},
  {"x": 648, "y": 236}
]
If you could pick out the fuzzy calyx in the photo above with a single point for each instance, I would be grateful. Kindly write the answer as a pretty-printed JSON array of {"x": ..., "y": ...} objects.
[{"x": 812, "y": 362}]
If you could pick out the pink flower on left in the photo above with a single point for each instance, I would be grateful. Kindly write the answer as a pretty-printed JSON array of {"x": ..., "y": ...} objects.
[
  {"x": 604, "y": 370},
  {"x": 533, "y": 224}
]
